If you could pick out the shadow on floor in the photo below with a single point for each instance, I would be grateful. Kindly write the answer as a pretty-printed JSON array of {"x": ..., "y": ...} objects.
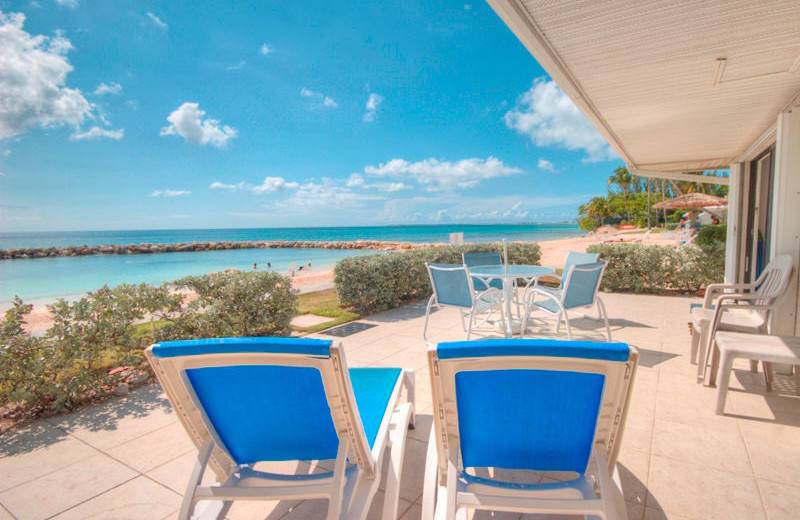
[
  {"x": 650, "y": 358},
  {"x": 782, "y": 401},
  {"x": 104, "y": 416},
  {"x": 406, "y": 312}
]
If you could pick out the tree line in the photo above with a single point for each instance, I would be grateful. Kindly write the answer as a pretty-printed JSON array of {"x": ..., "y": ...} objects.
[{"x": 628, "y": 194}]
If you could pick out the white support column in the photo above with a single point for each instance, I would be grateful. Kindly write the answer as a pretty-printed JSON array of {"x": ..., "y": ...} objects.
[
  {"x": 786, "y": 215},
  {"x": 733, "y": 238}
]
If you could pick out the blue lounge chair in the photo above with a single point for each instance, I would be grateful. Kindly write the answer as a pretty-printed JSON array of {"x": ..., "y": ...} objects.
[
  {"x": 452, "y": 287},
  {"x": 579, "y": 291},
  {"x": 255, "y": 400},
  {"x": 527, "y": 407}
]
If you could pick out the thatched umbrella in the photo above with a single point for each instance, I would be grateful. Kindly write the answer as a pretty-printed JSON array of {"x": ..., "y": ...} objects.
[{"x": 691, "y": 201}]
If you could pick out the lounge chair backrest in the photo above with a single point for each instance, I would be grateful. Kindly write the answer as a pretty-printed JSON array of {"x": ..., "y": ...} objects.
[
  {"x": 539, "y": 405},
  {"x": 480, "y": 259},
  {"x": 450, "y": 284},
  {"x": 574, "y": 258},
  {"x": 262, "y": 399},
  {"x": 774, "y": 280},
  {"x": 582, "y": 284}
]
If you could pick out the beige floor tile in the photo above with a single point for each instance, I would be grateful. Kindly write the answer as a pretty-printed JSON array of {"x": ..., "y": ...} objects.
[
  {"x": 4, "y": 514},
  {"x": 638, "y": 434},
  {"x": 154, "y": 449},
  {"x": 413, "y": 470},
  {"x": 57, "y": 491},
  {"x": 775, "y": 462},
  {"x": 712, "y": 448},
  {"x": 137, "y": 499},
  {"x": 36, "y": 450},
  {"x": 782, "y": 501},
  {"x": 175, "y": 473},
  {"x": 657, "y": 514},
  {"x": 633, "y": 470},
  {"x": 119, "y": 420},
  {"x": 635, "y": 511},
  {"x": 699, "y": 492},
  {"x": 413, "y": 513}
]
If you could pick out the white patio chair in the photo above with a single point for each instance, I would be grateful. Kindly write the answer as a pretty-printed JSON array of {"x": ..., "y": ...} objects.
[
  {"x": 483, "y": 259},
  {"x": 531, "y": 407},
  {"x": 452, "y": 287},
  {"x": 738, "y": 308},
  {"x": 254, "y": 400},
  {"x": 580, "y": 288}
]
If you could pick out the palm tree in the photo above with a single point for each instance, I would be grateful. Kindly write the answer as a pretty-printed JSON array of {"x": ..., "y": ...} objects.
[{"x": 622, "y": 178}]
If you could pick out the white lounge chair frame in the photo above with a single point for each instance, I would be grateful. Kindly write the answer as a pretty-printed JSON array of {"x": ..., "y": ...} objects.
[
  {"x": 356, "y": 476},
  {"x": 448, "y": 487}
]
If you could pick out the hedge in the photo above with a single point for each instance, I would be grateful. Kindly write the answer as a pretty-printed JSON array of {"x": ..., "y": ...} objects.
[
  {"x": 97, "y": 343},
  {"x": 657, "y": 269},
  {"x": 379, "y": 282},
  {"x": 708, "y": 235}
]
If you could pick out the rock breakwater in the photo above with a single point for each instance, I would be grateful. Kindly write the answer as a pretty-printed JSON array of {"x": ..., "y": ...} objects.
[{"x": 146, "y": 248}]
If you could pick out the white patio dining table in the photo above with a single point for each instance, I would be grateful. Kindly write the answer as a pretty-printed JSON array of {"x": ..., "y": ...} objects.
[{"x": 509, "y": 273}]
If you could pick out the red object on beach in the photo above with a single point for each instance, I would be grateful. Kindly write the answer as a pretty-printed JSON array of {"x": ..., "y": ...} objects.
[{"x": 628, "y": 226}]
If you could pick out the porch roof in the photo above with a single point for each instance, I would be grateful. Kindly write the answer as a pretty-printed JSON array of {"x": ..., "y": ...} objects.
[{"x": 672, "y": 86}]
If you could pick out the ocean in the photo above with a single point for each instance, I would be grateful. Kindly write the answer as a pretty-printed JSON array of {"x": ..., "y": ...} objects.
[{"x": 46, "y": 279}]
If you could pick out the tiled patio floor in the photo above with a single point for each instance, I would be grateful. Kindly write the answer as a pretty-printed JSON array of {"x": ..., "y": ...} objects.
[{"x": 129, "y": 458}]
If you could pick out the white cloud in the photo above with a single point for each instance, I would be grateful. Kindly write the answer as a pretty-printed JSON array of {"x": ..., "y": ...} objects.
[
  {"x": 265, "y": 49},
  {"x": 326, "y": 195},
  {"x": 187, "y": 121},
  {"x": 546, "y": 165},
  {"x": 231, "y": 187},
  {"x": 271, "y": 184},
  {"x": 157, "y": 21},
  {"x": 356, "y": 180},
  {"x": 318, "y": 98},
  {"x": 170, "y": 193},
  {"x": 72, "y": 4},
  {"x": 33, "y": 70},
  {"x": 373, "y": 102},
  {"x": 96, "y": 132},
  {"x": 238, "y": 66},
  {"x": 549, "y": 118},
  {"x": 444, "y": 175},
  {"x": 112, "y": 88}
]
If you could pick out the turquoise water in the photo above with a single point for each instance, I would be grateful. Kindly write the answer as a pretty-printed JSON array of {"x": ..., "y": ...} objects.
[
  {"x": 438, "y": 233},
  {"x": 47, "y": 279}
]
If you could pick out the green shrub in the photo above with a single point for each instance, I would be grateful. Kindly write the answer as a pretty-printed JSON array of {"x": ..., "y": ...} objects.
[
  {"x": 241, "y": 304},
  {"x": 99, "y": 340},
  {"x": 378, "y": 282},
  {"x": 656, "y": 269},
  {"x": 709, "y": 235}
]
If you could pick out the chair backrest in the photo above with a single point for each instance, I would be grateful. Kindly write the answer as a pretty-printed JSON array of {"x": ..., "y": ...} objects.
[
  {"x": 262, "y": 399},
  {"x": 451, "y": 284},
  {"x": 574, "y": 258},
  {"x": 479, "y": 259},
  {"x": 582, "y": 284},
  {"x": 774, "y": 280},
  {"x": 532, "y": 404}
]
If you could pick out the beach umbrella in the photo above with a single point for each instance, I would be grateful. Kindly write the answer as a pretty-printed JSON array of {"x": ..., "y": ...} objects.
[{"x": 692, "y": 202}]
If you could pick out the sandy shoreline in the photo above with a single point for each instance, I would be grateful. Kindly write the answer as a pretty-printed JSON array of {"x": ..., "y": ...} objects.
[{"x": 554, "y": 253}]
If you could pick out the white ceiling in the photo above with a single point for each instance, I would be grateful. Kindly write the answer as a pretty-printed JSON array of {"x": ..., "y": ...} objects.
[{"x": 643, "y": 71}]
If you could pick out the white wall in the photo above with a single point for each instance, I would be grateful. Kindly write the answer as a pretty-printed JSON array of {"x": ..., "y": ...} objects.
[{"x": 786, "y": 214}]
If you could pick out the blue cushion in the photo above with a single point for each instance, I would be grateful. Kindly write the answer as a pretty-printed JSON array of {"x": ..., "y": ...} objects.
[
  {"x": 372, "y": 388},
  {"x": 528, "y": 419},
  {"x": 267, "y": 412},
  {"x": 315, "y": 347},
  {"x": 534, "y": 347}
]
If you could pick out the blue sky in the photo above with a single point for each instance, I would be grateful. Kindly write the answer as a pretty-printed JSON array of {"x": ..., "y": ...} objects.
[{"x": 142, "y": 115}]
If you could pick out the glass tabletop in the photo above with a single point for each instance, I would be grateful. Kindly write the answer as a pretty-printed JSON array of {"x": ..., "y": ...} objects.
[{"x": 514, "y": 271}]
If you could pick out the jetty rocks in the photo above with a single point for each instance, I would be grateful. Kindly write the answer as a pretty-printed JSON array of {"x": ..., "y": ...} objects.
[{"x": 142, "y": 249}]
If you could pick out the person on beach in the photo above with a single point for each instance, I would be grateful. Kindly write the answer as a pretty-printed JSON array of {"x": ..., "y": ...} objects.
[{"x": 255, "y": 266}]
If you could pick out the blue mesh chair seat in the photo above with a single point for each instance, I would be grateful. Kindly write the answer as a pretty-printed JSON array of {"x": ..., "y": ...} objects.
[
  {"x": 453, "y": 287},
  {"x": 578, "y": 290},
  {"x": 530, "y": 405},
  {"x": 245, "y": 401},
  {"x": 481, "y": 259}
]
